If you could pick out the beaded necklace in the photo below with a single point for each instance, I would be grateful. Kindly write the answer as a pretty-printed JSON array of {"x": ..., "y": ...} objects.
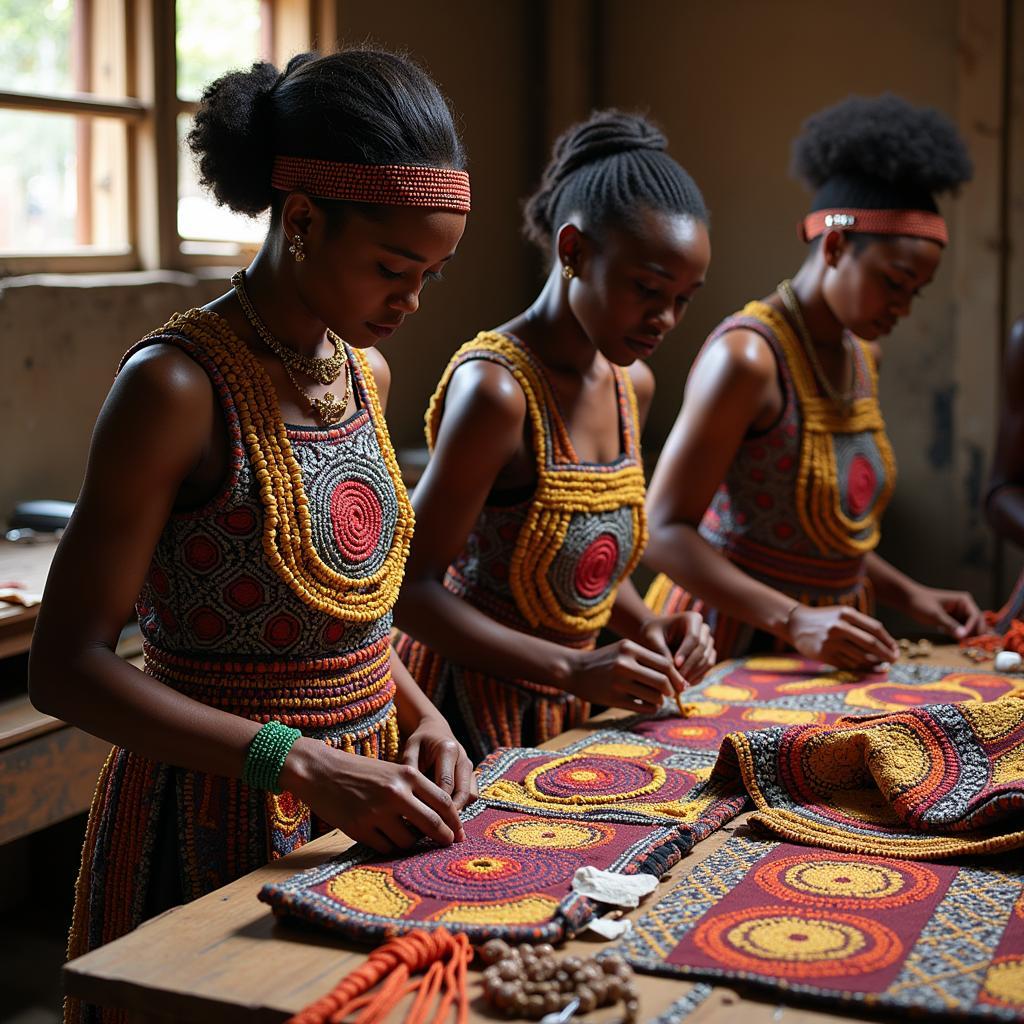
[
  {"x": 324, "y": 371},
  {"x": 843, "y": 400}
]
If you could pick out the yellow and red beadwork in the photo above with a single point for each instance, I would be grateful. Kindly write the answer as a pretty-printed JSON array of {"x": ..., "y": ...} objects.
[
  {"x": 549, "y": 562},
  {"x": 801, "y": 504}
]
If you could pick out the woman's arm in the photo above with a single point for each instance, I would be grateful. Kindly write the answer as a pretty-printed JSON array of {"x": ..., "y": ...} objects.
[
  {"x": 951, "y": 611},
  {"x": 729, "y": 391},
  {"x": 152, "y": 432},
  {"x": 480, "y": 433}
]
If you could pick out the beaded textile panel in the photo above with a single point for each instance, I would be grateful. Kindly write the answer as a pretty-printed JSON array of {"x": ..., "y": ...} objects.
[
  {"x": 942, "y": 939},
  {"x": 797, "y": 684},
  {"x": 611, "y": 802}
]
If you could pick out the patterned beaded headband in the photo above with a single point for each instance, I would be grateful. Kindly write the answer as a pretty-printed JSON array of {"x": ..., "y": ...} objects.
[
  {"x": 916, "y": 223},
  {"x": 386, "y": 184}
]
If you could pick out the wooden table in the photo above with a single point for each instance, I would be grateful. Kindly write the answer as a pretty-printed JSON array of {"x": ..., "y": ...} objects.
[
  {"x": 225, "y": 958},
  {"x": 48, "y": 768}
]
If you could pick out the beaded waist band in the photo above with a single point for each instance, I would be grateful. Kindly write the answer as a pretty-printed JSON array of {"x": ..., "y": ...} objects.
[
  {"x": 354, "y": 691},
  {"x": 797, "y": 572}
]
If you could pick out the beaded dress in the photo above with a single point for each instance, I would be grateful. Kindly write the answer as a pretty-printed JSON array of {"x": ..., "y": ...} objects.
[
  {"x": 801, "y": 504},
  {"x": 272, "y": 601},
  {"x": 547, "y": 563}
]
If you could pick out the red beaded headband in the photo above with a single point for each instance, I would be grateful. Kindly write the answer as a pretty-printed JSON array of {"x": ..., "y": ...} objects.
[
  {"x": 386, "y": 184},
  {"x": 916, "y": 223}
]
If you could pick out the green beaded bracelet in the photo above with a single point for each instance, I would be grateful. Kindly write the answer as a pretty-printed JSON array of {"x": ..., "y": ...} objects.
[{"x": 265, "y": 758}]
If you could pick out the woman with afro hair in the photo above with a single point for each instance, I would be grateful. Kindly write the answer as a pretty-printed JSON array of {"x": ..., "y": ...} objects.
[
  {"x": 530, "y": 515},
  {"x": 766, "y": 504}
]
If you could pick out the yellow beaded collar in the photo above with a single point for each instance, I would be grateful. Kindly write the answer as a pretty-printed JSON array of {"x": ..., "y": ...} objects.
[
  {"x": 818, "y": 495},
  {"x": 563, "y": 488},
  {"x": 287, "y": 529}
]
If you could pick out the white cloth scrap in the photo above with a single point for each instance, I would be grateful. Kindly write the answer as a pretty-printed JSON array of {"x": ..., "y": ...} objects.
[
  {"x": 610, "y": 928},
  {"x": 611, "y": 887}
]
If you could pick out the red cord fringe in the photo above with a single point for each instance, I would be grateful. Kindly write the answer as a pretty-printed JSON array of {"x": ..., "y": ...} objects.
[{"x": 443, "y": 957}]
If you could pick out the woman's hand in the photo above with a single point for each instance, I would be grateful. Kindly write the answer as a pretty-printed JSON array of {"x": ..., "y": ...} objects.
[
  {"x": 433, "y": 750},
  {"x": 624, "y": 675},
  {"x": 386, "y": 806},
  {"x": 952, "y": 611},
  {"x": 840, "y": 636},
  {"x": 686, "y": 639}
]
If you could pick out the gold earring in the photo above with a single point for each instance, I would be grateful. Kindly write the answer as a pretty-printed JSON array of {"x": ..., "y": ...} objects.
[
  {"x": 567, "y": 272},
  {"x": 296, "y": 248}
]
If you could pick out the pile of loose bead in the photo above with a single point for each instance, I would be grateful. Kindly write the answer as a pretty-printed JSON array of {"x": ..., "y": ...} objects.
[{"x": 528, "y": 981}]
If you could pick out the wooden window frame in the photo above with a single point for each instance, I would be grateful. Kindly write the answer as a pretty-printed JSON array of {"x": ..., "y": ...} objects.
[{"x": 149, "y": 110}]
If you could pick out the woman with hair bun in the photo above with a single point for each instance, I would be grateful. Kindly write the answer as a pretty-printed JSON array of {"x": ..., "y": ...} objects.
[
  {"x": 530, "y": 514},
  {"x": 242, "y": 487},
  {"x": 767, "y": 500}
]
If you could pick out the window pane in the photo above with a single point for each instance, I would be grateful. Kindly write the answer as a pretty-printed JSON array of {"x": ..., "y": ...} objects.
[
  {"x": 215, "y": 36},
  {"x": 62, "y": 46},
  {"x": 199, "y": 215},
  {"x": 36, "y": 52},
  {"x": 63, "y": 183}
]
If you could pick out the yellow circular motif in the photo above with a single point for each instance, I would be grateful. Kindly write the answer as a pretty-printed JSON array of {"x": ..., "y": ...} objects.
[
  {"x": 1005, "y": 981},
  {"x": 525, "y": 910},
  {"x": 773, "y": 664},
  {"x": 994, "y": 719},
  {"x": 830, "y": 762},
  {"x": 796, "y": 939},
  {"x": 550, "y": 833},
  {"x": 701, "y": 709},
  {"x": 723, "y": 691},
  {"x": 483, "y": 865},
  {"x": 803, "y": 685},
  {"x": 371, "y": 890},
  {"x": 622, "y": 749},
  {"x": 655, "y": 774},
  {"x": 842, "y": 878},
  {"x": 782, "y": 716},
  {"x": 1009, "y": 767}
]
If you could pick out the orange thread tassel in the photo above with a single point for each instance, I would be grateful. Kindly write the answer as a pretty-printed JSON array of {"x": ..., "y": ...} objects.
[{"x": 392, "y": 966}]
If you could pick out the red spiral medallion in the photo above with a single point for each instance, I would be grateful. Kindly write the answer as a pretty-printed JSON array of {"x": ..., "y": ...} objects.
[
  {"x": 357, "y": 520},
  {"x": 861, "y": 483},
  {"x": 596, "y": 566}
]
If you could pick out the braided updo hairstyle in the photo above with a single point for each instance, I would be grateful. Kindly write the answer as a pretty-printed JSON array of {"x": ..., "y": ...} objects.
[
  {"x": 880, "y": 153},
  {"x": 357, "y": 106},
  {"x": 606, "y": 169}
]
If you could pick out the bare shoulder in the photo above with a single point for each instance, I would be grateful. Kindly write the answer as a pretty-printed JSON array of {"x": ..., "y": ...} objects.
[
  {"x": 740, "y": 355},
  {"x": 642, "y": 377},
  {"x": 486, "y": 390},
  {"x": 380, "y": 369},
  {"x": 164, "y": 380}
]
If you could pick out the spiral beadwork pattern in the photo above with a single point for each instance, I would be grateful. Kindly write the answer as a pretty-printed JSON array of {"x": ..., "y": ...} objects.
[
  {"x": 550, "y": 833},
  {"x": 480, "y": 870},
  {"x": 592, "y": 557}
]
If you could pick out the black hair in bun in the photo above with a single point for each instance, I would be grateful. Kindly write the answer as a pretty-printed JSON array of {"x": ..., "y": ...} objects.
[
  {"x": 604, "y": 168},
  {"x": 880, "y": 153},
  {"x": 356, "y": 106}
]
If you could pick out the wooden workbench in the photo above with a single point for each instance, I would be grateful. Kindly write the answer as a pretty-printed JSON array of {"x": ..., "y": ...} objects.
[{"x": 225, "y": 958}]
